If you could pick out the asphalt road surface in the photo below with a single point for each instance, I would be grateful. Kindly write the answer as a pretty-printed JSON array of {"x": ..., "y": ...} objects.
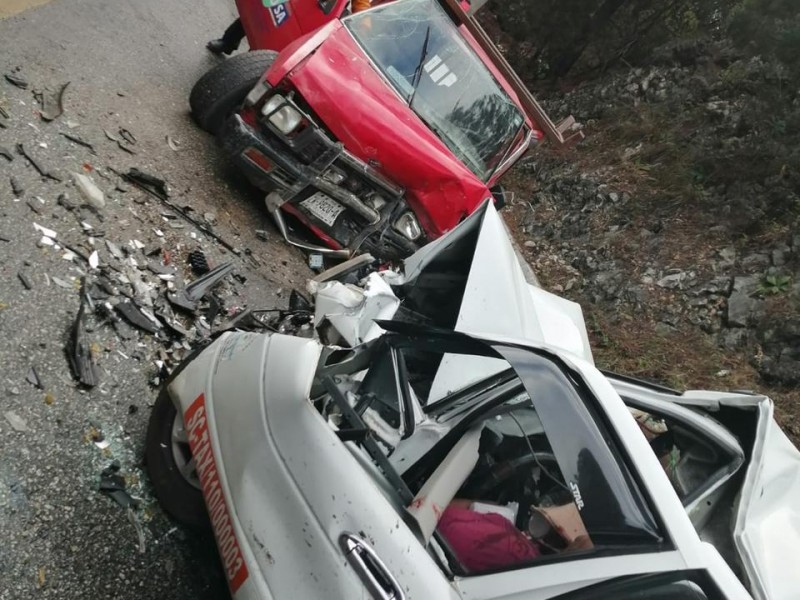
[{"x": 130, "y": 66}]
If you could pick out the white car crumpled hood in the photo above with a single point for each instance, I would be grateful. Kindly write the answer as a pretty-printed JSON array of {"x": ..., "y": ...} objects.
[
  {"x": 497, "y": 301},
  {"x": 767, "y": 523}
]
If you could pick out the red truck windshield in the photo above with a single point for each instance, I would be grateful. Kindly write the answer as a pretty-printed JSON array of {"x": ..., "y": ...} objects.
[{"x": 421, "y": 52}]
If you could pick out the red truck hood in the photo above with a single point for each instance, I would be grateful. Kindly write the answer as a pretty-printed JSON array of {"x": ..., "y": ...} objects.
[{"x": 364, "y": 113}]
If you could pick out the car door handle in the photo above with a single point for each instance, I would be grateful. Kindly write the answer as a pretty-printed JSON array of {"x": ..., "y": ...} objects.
[{"x": 370, "y": 568}]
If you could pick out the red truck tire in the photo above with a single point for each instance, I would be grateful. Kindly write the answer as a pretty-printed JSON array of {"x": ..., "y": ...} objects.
[{"x": 218, "y": 93}]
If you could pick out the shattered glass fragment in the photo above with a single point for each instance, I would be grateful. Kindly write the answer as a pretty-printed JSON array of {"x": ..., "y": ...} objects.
[
  {"x": 112, "y": 484},
  {"x": 17, "y": 423},
  {"x": 45, "y": 231},
  {"x": 61, "y": 283},
  {"x": 93, "y": 195},
  {"x": 33, "y": 378}
]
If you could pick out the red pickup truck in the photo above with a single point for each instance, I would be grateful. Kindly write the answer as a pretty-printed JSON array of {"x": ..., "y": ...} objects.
[{"x": 377, "y": 131}]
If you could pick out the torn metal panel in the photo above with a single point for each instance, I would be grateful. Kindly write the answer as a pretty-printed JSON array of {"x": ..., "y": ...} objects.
[
  {"x": 352, "y": 310},
  {"x": 470, "y": 280},
  {"x": 767, "y": 521}
]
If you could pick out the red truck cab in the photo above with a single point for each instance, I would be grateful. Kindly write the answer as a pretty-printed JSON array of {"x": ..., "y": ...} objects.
[{"x": 382, "y": 130}]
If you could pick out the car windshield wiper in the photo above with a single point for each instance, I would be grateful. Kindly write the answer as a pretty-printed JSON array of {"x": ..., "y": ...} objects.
[{"x": 418, "y": 71}]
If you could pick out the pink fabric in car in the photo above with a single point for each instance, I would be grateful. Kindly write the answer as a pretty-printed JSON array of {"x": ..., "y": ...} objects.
[{"x": 483, "y": 541}]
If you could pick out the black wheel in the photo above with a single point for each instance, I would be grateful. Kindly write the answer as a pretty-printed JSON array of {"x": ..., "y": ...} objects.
[
  {"x": 223, "y": 89},
  {"x": 171, "y": 466}
]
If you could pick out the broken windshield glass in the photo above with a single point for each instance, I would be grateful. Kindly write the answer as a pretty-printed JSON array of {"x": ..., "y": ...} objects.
[{"x": 421, "y": 52}]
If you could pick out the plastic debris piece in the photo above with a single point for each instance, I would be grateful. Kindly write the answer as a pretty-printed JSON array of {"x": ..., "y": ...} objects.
[
  {"x": 16, "y": 187},
  {"x": 26, "y": 281},
  {"x": 89, "y": 190},
  {"x": 53, "y": 102},
  {"x": 158, "y": 232},
  {"x": 6, "y": 153},
  {"x": 94, "y": 259},
  {"x": 173, "y": 144},
  {"x": 77, "y": 140},
  {"x": 197, "y": 260},
  {"x": 69, "y": 255},
  {"x": 81, "y": 358},
  {"x": 17, "y": 80},
  {"x": 135, "y": 317},
  {"x": 262, "y": 234},
  {"x": 192, "y": 293},
  {"x": 112, "y": 484},
  {"x": 16, "y": 422},
  {"x": 37, "y": 164},
  {"x": 45, "y": 231},
  {"x": 136, "y": 245},
  {"x": 33, "y": 378},
  {"x": 72, "y": 124}
]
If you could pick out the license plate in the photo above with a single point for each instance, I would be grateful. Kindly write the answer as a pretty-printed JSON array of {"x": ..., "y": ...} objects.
[{"x": 324, "y": 208}]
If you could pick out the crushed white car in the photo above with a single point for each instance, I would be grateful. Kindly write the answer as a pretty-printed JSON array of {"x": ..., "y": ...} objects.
[{"x": 468, "y": 448}]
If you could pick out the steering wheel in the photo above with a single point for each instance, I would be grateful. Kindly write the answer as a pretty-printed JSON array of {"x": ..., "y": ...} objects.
[{"x": 519, "y": 469}]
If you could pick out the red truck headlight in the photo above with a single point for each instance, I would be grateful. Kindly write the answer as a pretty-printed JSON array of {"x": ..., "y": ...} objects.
[
  {"x": 408, "y": 225},
  {"x": 282, "y": 115}
]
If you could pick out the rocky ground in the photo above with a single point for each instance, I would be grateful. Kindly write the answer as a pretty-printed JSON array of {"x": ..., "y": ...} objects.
[{"x": 675, "y": 222}]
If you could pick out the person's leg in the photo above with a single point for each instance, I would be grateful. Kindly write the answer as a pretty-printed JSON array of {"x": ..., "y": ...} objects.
[{"x": 229, "y": 41}]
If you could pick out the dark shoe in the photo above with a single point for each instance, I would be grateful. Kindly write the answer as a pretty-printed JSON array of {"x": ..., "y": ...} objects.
[{"x": 219, "y": 47}]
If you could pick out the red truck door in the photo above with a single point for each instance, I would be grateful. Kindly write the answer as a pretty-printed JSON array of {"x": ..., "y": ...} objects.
[{"x": 271, "y": 25}]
